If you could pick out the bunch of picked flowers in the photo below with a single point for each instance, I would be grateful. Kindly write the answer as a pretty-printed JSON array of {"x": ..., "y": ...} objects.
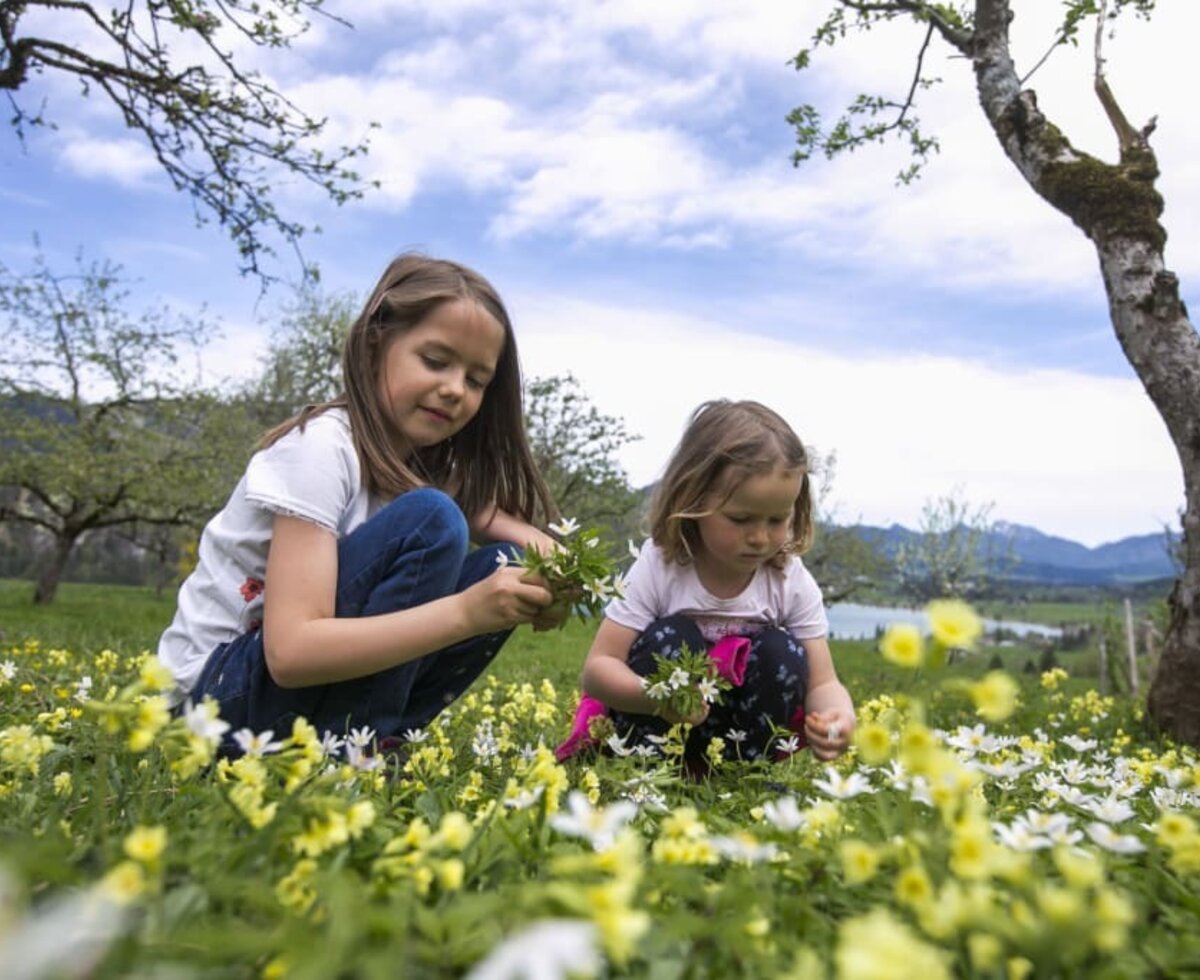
[
  {"x": 684, "y": 684},
  {"x": 578, "y": 571}
]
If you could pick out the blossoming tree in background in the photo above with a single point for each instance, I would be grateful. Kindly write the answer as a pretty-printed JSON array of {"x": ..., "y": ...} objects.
[{"x": 1115, "y": 204}]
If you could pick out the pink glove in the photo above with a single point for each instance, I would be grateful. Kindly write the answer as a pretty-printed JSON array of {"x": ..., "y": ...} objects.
[
  {"x": 730, "y": 655},
  {"x": 580, "y": 737}
]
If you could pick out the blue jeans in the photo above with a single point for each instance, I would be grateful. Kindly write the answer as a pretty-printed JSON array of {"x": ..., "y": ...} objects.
[
  {"x": 412, "y": 551},
  {"x": 773, "y": 690}
]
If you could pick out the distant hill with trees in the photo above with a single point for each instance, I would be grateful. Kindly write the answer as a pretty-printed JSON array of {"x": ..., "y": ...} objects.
[{"x": 1030, "y": 555}]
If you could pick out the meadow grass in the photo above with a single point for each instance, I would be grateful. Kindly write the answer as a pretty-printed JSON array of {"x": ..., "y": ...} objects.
[
  {"x": 87, "y": 619},
  {"x": 1053, "y": 840}
]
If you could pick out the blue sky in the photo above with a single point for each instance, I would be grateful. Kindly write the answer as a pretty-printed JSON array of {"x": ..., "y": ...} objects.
[{"x": 622, "y": 172}]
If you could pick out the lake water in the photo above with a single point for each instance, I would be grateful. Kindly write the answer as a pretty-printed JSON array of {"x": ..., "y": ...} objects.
[{"x": 851, "y": 621}]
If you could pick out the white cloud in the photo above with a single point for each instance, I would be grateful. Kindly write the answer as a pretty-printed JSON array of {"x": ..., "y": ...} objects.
[
  {"x": 124, "y": 161},
  {"x": 905, "y": 429}
]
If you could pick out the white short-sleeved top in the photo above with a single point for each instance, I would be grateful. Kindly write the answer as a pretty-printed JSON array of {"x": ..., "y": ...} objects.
[
  {"x": 655, "y": 587},
  {"x": 312, "y": 474}
]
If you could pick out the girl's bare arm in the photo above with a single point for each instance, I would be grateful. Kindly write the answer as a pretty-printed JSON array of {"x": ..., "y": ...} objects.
[
  {"x": 306, "y": 644},
  {"x": 829, "y": 712}
]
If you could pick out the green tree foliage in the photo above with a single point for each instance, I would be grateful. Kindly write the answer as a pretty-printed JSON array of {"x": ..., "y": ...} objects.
[
  {"x": 221, "y": 132},
  {"x": 99, "y": 426},
  {"x": 1115, "y": 204},
  {"x": 841, "y": 560},
  {"x": 575, "y": 445},
  {"x": 953, "y": 554},
  {"x": 303, "y": 364}
]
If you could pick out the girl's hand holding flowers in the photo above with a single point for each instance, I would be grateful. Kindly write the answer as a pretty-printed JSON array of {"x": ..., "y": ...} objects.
[
  {"x": 828, "y": 732},
  {"x": 576, "y": 570}
]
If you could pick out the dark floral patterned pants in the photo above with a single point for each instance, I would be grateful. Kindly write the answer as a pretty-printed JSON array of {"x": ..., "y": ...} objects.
[{"x": 771, "y": 695}]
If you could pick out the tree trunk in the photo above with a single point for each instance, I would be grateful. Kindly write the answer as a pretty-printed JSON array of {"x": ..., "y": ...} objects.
[
  {"x": 52, "y": 570},
  {"x": 1117, "y": 207}
]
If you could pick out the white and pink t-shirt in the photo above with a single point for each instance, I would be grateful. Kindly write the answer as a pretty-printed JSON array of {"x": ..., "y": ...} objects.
[
  {"x": 788, "y": 598},
  {"x": 312, "y": 474}
]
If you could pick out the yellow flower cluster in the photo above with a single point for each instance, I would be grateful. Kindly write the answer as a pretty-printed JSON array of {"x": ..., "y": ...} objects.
[
  {"x": 424, "y": 858},
  {"x": 684, "y": 839}
]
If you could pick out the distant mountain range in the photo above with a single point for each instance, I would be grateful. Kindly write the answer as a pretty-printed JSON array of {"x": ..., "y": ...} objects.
[{"x": 1042, "y": 558}]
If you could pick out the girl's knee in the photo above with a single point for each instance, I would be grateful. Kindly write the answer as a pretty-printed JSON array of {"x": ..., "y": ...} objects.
[{"x": 434, "y": 512}]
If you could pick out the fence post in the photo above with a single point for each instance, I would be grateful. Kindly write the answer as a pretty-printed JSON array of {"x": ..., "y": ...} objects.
[
  {"x": 1103, "y": 663},
  {"x": 1133, "y": 667}
]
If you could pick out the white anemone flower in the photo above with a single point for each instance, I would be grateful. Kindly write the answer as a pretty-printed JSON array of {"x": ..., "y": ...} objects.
[
  {"x": 256, "y": 745},
  {"x": 525, "y": 798},
  {"x": 744, "y": 848},
  {"x": 1018, "y": 838},
  {"x": 65, "y": 936},
  {"x": 361, "y": 737},
  {"x": 784, "y": 814},
  {"x": 843, "y": 787},
  {"x": 599, "y": 826},
  {"x": 566, "y": 527},
  {"x": 547, "y": 950},
  {"x": 1110, "y": 810},
  {"x": 415, "y": 735},
  {"x": 202, "y": 720},
  {"x": 1110, "y": 840}
]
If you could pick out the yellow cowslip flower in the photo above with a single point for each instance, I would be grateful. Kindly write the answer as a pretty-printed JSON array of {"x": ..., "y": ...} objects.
[
  {"x": 1079, "y": 868},
  {"x": 454, "y": 832},
  {"x": 150, "y": 718},
  {"x": 971, "y": 848},
  {"x": 903, "y": 645},
  {"x": 873, "y": 742},
  {"x": 276, "y": 968},
  {"x": 156, "y": 675},
  {"x": 1116, "y": 914},
  {"x": 860, "y": 861},
  {"x": 984, "y": 950},
  {"x": 591, "y": 786},
  {"x": 918, "y": 748},
  {"x": 995, "y": 696},
  {"x": 954, "y": 623},
  {"x": 1185, "y": 859},
  {"x": 295, "y": 891},
  {"x": 715, "y": 751},
  {"x": 62, "y": 784},
  {"x": 623, "y": 857},
  {"x": 913, "y": 887},
  {"x": 620, "y": 925},
  {"x": 359, "y": 817},
  {"x": 125, "y": 883},
  {"x": 683, "y": 822},
  {"x": 1174, "y": 830},
  {"x": 878, "y": 945},
  {"x": 683, "y": 850},
  {"x": 1052, "y": 678},
  {"x": 20, "y": 748},
  {"x": 450, "y": 874},
  {"x": 146, "y": 844},
  {"x": 1061, "y": 908},
  {"x": 1019, "y": 968},
  {"x": 757, "y": 927},
  {"x": 473, "y": 790},
  {"x": 423, "y": 879}
]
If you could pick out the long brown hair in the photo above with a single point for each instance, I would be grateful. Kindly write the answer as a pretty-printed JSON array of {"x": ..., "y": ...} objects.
[
  {"x": 489, "y": 460},
  {"x": 725, "y": 442}
]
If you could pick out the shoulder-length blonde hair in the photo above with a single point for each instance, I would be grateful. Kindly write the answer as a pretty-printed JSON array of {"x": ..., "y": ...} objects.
[
  {"x": 725, "y": 442},
  {"x": 489, "y": 460}
]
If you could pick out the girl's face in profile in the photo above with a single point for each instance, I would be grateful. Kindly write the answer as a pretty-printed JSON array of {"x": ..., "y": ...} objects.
[
  {"x": 434, "y": 376},
  {"x": 747, "y": 529}
]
